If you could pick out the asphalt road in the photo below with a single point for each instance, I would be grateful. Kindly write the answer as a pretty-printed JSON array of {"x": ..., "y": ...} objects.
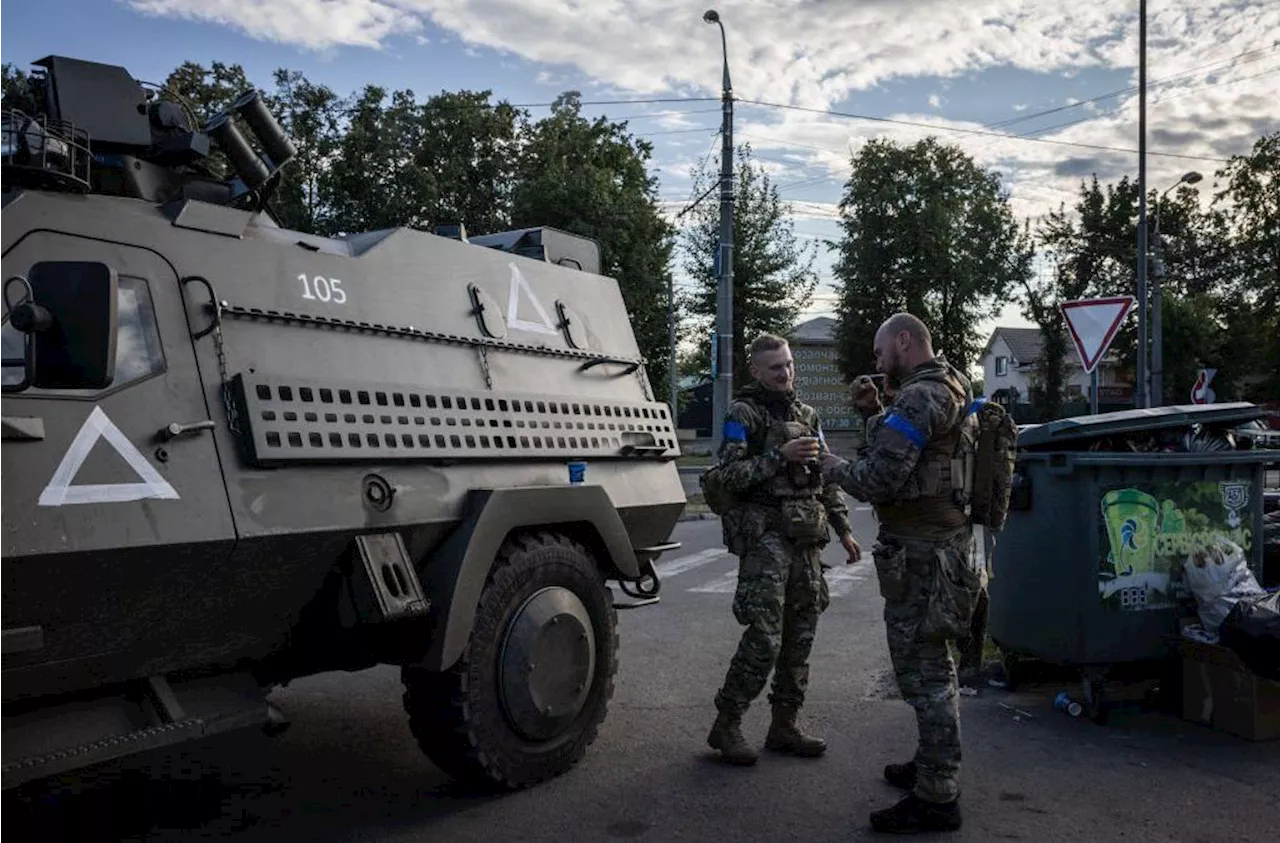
[{"x": 349, "y": 771}]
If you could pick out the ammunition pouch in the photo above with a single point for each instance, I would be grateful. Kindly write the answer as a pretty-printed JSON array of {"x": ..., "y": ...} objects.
[
  {"x": 891, "y": 570},
  {"x": 804, "y": 521},
  {"x": 717, "y": 498},
  {"x": 955, "y": 583}
]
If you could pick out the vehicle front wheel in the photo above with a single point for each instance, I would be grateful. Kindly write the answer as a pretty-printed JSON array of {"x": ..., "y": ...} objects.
[{"x": 528, "y": 694}]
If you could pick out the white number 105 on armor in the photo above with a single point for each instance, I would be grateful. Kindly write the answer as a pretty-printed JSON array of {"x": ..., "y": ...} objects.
[{"x": 324, "y": 289}]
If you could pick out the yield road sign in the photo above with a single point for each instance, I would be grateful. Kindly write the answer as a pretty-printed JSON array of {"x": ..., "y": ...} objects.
[{"x": 1093, "y": 324}]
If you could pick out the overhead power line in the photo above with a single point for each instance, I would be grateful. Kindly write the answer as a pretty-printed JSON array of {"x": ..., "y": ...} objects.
[
  {"x": 978, "y": 132},
  {"x": 1168, "y": 80},
  {"x": 619, "y": 102}
]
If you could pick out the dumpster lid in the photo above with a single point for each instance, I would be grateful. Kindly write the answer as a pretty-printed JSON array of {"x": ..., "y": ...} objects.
[{"x": 1137, "y": 421}]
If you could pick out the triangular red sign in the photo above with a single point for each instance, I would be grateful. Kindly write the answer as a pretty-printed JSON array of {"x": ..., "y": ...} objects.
[{"x": 1093, "y": 324}]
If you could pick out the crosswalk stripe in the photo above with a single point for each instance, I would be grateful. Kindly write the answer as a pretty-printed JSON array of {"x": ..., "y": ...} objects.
[
  {"x": 687, "y": 563},
  {"x": 840, "y": 581},
  {"x": 726, "y": 583}
]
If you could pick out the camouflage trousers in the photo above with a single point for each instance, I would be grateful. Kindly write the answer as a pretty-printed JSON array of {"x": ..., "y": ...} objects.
[
  {"x": 780, "y": 595},
  {"x": 907, "y": 569}
]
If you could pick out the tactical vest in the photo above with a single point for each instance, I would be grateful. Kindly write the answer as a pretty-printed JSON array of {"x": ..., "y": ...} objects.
[
  {"x": 935, "y": 496},
  {"x": 793, "y": 480}
]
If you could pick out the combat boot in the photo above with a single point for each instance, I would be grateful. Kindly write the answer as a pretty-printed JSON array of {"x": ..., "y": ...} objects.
[
  {"x": 785, "y": 736},
  {"x": 726, "y": 736},
  {"x": 914, "y": 815}
]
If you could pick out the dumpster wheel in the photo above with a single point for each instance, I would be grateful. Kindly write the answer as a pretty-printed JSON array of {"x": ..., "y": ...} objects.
[{"x": 1096, "y": 705}]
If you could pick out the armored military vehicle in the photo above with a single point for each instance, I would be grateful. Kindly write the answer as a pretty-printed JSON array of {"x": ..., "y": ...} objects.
[{"x": 236, "y": 454}]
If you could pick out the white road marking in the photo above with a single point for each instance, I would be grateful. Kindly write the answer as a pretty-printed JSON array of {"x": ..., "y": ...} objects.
[
  {"x": 840, "y": 580},
  {"x": 724, "y": 584},
  {"x": 680, "y": 564}
]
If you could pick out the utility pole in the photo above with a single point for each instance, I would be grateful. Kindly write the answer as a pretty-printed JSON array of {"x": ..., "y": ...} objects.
[
  {"x": 671, "y": 338},
  {"x": 723, "y": 353},
  {"x": 1142, "y": 395},
  {"x": 1157, "y": 296}
]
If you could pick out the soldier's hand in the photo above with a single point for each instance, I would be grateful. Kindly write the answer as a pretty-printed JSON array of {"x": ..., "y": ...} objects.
[
  {"x": 804, "y": 449},
  {"x": 851, "y": 547},
  {"x": 829, "y": 462},
  {"x": 866, "y": 396}
]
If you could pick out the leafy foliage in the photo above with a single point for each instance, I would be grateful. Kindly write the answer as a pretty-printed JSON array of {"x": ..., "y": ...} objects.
[
  {"x": 773, "y": 277},
  {"x": 927, "y": 231}
]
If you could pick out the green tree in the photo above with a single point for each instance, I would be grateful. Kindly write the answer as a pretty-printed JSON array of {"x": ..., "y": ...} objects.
[
  {"x": 471, "y": 149},
  {"x": 773, "y": 276},
  {"x": 208, "y": 92},
  {"x": 375, "y": 180},
  {"x": 311, "y": 115},
  {"x": 1248, "y": 209},
  {"x": 590, "y": 177},
  {"x": 16, "y": 94},
  {"x": 925, "y": 230}
]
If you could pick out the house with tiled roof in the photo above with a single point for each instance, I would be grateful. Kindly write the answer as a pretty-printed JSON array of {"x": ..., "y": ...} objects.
[{"x": 1010, "y": 369}]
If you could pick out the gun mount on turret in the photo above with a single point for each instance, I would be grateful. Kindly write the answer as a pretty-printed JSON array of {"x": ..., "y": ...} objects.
[{"x": 88, "y": 127}]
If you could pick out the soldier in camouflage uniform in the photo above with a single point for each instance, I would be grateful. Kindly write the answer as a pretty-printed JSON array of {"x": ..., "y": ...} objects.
[
  {"x": 777, "y": 527},
  {"x": 924, "y": 554}
]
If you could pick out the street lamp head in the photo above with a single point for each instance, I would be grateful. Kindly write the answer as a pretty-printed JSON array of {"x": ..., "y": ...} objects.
[
  {"x": 711, "y": 16},
  {"x": 1191, "y": 177}
]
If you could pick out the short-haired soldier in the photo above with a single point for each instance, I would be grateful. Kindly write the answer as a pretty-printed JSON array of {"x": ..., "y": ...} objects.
[{"x": 778, "y": 520}]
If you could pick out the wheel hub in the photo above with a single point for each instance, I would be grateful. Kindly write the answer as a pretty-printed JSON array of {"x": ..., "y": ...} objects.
[{"x": 547, "y": 663}]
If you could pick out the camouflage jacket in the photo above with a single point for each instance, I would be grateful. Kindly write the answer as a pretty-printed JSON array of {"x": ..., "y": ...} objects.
[
  {"x": 749, "y": 466},
  {"x": 906, "y": 446}
]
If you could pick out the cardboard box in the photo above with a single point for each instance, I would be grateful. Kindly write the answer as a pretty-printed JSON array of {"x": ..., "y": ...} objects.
[{"x": 1219, "y": 691}]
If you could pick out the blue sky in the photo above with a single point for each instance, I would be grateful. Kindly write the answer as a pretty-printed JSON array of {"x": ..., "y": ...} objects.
[{"x": 951, "y": 64}]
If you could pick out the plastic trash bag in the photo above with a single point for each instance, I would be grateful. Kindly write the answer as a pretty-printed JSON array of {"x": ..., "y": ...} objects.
[
  {"x": 1219, "y": 577},
  {"x": 1252, "y": 630}
]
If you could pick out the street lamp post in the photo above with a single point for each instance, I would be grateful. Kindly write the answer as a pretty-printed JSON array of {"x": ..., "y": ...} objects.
[
  {"x": 1143, "y": 397},
  {"x": 1157, "y": 297},
  {"x": 723, "y": 356}
]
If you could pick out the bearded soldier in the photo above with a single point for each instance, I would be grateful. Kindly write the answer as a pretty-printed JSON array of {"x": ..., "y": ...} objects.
[
  {"x": 913, "y": 471},
  {"x": 776, "y": 519}
]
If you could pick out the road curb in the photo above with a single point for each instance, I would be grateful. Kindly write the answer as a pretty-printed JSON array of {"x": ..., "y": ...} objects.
[{"x": 699, "y": 516}]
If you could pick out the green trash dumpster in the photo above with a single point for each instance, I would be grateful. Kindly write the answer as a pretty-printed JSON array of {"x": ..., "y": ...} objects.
[{"x": 1088, "y": 568}]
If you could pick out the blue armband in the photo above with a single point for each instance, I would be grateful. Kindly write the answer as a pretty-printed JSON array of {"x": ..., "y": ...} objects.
[
  {"x": 735, "y": 431},
  {"x": 906, "y": 428}
]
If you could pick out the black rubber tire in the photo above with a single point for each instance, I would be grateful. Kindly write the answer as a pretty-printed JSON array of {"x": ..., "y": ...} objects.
[{"x": 456, "y": 716}]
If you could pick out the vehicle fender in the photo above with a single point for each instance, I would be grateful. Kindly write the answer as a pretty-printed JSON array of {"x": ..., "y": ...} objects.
[{"x": 454, "y": 575}]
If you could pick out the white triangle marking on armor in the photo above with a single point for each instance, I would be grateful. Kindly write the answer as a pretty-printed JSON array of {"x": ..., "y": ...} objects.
[
  {"x": 98, "y": 426},
  {"x": 518, "y": 282}
]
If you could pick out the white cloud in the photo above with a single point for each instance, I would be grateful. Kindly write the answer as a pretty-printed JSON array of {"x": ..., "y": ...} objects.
[
  {"x": 935, "y": 100},
  {"x": 314, "y": 24}
]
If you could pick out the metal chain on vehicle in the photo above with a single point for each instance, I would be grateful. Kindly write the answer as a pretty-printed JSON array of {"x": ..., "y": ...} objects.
[
  {"x": 416, "y": 333},
  {"x": 215, "y": 327},
  {"x": 228, "y": 402},
  {"x": 484, "y": 367}
]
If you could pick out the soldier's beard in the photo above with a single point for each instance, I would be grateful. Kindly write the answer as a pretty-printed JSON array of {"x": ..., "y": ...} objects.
[{"x": 892, "y": 369}]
